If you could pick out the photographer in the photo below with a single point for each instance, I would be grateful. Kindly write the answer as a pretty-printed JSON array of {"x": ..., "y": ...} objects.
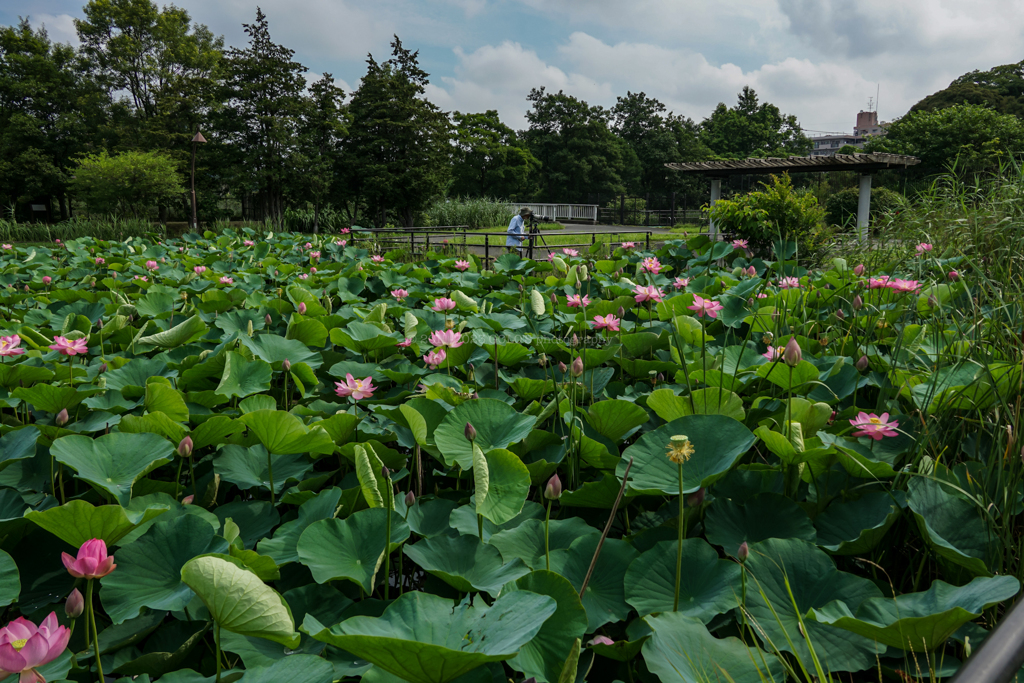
[{"x": 517, "y": 230}]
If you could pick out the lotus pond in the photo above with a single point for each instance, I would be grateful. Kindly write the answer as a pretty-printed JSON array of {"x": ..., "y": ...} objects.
[{"x": 267, "y": 457}]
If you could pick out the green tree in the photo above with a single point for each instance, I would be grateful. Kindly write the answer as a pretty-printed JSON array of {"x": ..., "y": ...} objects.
[
  {"x": 50, "y": 111},
  {"x": 261, "y": 117},
  {"x": 489, "y": 159},
  {"x": 970, "y": 136},
  {"x": 753, "y": 129},
  {"x": 127, "y": 183},
  {"x": 1000, "y": 88},
  {"x": 397, "y": 153},
  {"x": 579, "y": 154},
  {"x": 321, "y": 129}
]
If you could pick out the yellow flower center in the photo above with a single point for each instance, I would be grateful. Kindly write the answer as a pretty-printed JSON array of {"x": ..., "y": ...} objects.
[
  {"x": 18, "y": 644},
  {"x": 874, "y": 421},
  {"x": 680, "y": 449}
]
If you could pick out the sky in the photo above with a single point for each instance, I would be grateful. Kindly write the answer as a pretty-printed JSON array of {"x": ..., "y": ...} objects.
[{"x": 820, "y": 60}]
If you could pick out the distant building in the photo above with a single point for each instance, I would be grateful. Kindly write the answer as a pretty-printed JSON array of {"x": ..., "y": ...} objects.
[{"x": 867, "y": 126}]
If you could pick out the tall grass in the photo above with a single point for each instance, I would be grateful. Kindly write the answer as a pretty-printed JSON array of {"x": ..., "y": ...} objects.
[
  {"x": 111, "y": 228},
  {"x": 472, "y": 212}
]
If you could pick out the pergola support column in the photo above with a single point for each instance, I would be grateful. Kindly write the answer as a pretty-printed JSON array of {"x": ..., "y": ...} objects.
[
  {"x": 864, "y": 207},
  {"x": 716, "y": 194}
]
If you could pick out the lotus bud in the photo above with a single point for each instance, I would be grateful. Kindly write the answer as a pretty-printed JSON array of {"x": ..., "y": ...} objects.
[
  {"x": 103, "y": 368},
  {"x": 521, "y": 289},
  {"x": 575, "y": 340},
  {"x": 554, "y": 299},
  {"x": 74, "y": 605},
  {"x": 577, "y": 366},
  {"x": 62, "y": 417},
  {"x": 470, "y": 431},
  {"x": 185, "y": 447},
  {"x": 932, "y": 300},
  {"x": 840, "y": 314},
  {"x": 286, "y": 365},
  {"x": 862, "y": 363},
  {"x": 385, "y": 472},
  {"x": 696, "y": 498},
  {"x": 621, "y": 313},
  {"x": 562, "y": 367},
  {"x": 601, "y": 640},
  {"x": 553, "y": 489},
  {"x": 858, "y": 303},
  {"x": 99, "y": 324},
  {"x": 743, "y": 553},
  {"x": 792, "y": 355},
  {"x": 859, "y": 270},
  {"x": 543, "y": 360},
  {"x": 47, "y": 279},
  {"x": 410, "y": 499},
  {"x": 750, "y": 301},
  {"x": 187, "y": 500},
  {"x": 268, "y": 319},
  {"x": 475, "y": 396}
]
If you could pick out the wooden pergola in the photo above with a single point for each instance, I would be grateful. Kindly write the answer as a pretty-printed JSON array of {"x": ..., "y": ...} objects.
[{"x": 865, "y": 164}]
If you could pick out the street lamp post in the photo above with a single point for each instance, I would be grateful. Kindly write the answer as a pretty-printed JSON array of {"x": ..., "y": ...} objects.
[{"x": 195, "y": 143}]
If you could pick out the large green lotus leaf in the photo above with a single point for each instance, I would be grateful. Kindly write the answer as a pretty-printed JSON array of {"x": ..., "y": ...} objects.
[
  {"x": 593, "y": 494},
  {"x": 681, "y": 649},
  {"x": 215, "y": 431},
  {"x": 605, "y": 597},
  {"x": 616, "y": 419},
  {"x": 18, "y": 445},
  {"x": 421, "y": 639},
  {"x": 167, "y": 400},
  {"x": 166, "y": 650},
  {"x": 544, "y": 656},
  {"x": 370, "y": 474},
  {"x": 864, "y": 461},
  {"x": 465, "y": 564},
  {"x": 149, "y": 570},
  {"x": 708, "y": 586},
  {"x": 718, "y": 443},
  {"x": 113, "y": 462},
  {"x": 298, "y": 667},
  {"x": 179, "y": 335},
  {"x": 255, "y": 519},
  {"x": 136, "y": 374},
  {"x": 283, "y": 547},
  {"x": 526, "y": 540},
  {"x": 766, "y": 515},
  {"x": 361, "y": 337},
  {"x": 49, "y": 398},
  {"x": 177, "y": 509},
  {"x": 309, "y": 332},
  {"x": 429, "y": 517},
  {"x": 238, "y": 601},
  {"x": 497, "y": 424},
  {"x": 502, "y": 484},
  {"x": 857, "y": 526},
  {"x": 351, "y": 548},
  {"x": 920, "y": 622},
  {"x": 786, "y": 377},
  {"x": 152, "y": 423},
  {"x": 276, "y": 349},
  {"x": 779, "y": 565},
  {"x": 243, "y": 377},
  {"x": 10, "y": 580},
  {"x": 708, "y": 401},
  {"x": 282, "y": 432},
  {"x": 247, "y": 467},
  {"x": 957, "y": 530},
  {"x": 464, "y": 520}
]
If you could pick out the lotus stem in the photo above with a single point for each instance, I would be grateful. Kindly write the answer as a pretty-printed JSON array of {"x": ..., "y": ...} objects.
[
  {"x": 679, "y": 540},
  {"x": 547, "y": 547},
  {"x": 607, "y": 528},
  {"x": 95, "y": 634},
  {"x": 216, "y": 640},
  {"x": 389, "y": 501}
]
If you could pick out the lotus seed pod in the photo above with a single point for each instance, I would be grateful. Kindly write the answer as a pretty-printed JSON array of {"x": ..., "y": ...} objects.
[
  {"x": 792, "y": 355},
  {"x": 537, "y": 302},
  {"x": 553, "y": 489}
]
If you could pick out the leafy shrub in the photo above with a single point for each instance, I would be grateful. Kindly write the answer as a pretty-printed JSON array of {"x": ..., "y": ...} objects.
[
  {"x": 112, "y": 228},
  {"x": 128, "y": 183},
  {"x": 777, "y": 211},
  {"x": 479, "y": 212},
  {"x": 841, "y": 207}
]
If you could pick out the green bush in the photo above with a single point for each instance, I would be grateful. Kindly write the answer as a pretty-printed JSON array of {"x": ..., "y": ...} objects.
[
  {"x": 112, "y": 228},
  {"x": 472, "y": 212},
  {"x": 129, "y": 183},
  {"x": 777, "y": 211},
  {"x": 841, "y": 207}
]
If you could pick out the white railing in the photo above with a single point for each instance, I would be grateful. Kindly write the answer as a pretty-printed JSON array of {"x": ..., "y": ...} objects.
[{"x": 569, "y": 212}]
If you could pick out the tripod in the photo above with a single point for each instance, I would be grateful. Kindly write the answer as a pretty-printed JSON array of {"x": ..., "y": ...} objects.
[{"x": 535, "y": 235}]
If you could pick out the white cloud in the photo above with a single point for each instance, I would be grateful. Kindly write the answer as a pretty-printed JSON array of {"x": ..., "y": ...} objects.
[{"x": 60, "y": 27}]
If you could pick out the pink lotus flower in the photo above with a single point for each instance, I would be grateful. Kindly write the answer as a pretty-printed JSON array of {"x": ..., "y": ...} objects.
[
  {"x": 309, "y": 245},
  {"x": 68, "y": 347},
  {"x": 435, "y": 358},
  {"x": 774, "y": 352},
  {"x": 650, "y": 265},
  {"x": 377, "y": 258},
  {"x": 100, "y": 260},
  {"x": 909, "y": 286},
  {"x": 312, "y": 271},
  {"x": 708, "y": 307},
  {"x": 344, "y": 231},
  {"x": 92, "y": 561},
  {"x": 341, "y": 243},
  {"x": 199, "y": 270},
  {"x": 10, "y": 346},
  {"x": 601, "y": 640},
  {"x": 789, "y": 283},
  {"x": 923, "y": 248},
  {"x": 629, "y": 245},
  {"x": 449, "y": 338},
  {"x": 750, "y": 271},
  {"x": 8, "y": 247},
  {"x": 142, "y": 277},
  {"x": 462, "y": 265},
  {"x": 874, "y": 426},
  {"x": 181, "y": 249},
  {"x": 304, "y": 276},
  {"x": 681, "y": 282},
  {"x": 152, "y": 265},
  {"x": 954, "y": 275},
  {"x": 404, "y": 344},
  {"x": 226, "y": 280},
  {"x": 358, "y": 389},
  {"x": 302, "y": 308},
  {"x": 878, "y": 282},
  {"x": 47, "y": 279},
  {"x": 644, "y": 293},
  {"x": 859, "y": 270},
  {"x": 249, "y": 243},
  {"x": 740, "y": 244},
  {"x": 575, "y": 301},
  {"x": 606, "y": 322},
  {"x": 570, "y": 252},
  {"x": 443, "y": 304},
  {"x": 24, "y": 647},
  {"x": 399, "y": 293}
]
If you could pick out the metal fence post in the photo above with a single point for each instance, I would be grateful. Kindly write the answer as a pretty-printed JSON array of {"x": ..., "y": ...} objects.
[
  {"x": 622, "y": 209},
  {"x": 648, "y": 244},
  {"x": 412, "y": 243},
  {"x": 487, "y": 249}
]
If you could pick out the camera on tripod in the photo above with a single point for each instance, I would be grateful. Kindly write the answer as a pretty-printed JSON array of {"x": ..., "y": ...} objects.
[{"x": 533, "y": 230}]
